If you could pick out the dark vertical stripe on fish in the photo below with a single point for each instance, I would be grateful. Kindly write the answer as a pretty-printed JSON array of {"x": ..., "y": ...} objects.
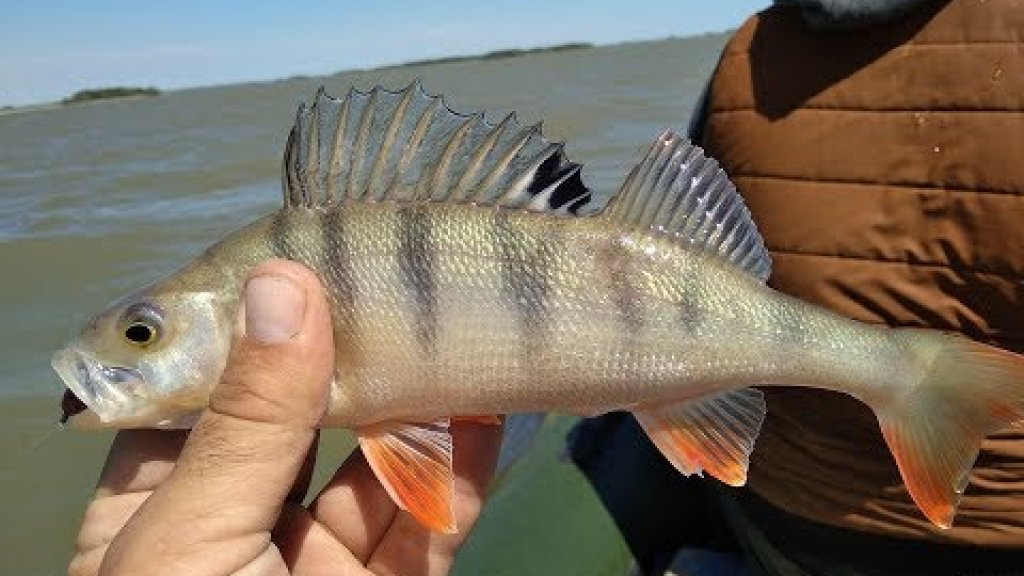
[
  {"x": 692, "y": 317},
  {"x": 338, "y": 271},
  {"x": 525, "y": 281},
  {"x": 416, "y": 267},
  {"x": 616, "y": 263},
  {"x": 280, "y": 244}
]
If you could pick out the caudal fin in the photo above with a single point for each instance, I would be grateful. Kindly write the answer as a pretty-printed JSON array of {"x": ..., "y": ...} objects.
[{"x": 936, "y": 430}]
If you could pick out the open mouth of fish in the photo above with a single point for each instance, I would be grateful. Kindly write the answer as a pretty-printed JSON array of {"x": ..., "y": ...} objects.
[{"x": 91, "y": 385}]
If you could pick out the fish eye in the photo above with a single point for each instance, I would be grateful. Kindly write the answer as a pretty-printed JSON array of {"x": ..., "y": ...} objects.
[
  {"x": 141, "y": 324},
  {"x": 140, "y": 333}
]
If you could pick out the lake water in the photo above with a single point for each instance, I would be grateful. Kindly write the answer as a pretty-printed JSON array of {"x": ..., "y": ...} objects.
[{"x": 100, "y": 198}]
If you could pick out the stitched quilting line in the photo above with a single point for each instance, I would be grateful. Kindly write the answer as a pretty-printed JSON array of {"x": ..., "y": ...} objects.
[
  {"x": 1011, "y": 276},
  {"x": 852, "y": 181},
  {"x": 910, "y": 46}
]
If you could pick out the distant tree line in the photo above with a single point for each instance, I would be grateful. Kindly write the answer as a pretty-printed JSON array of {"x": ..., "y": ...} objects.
[
  {"x": 498, "y": 54},
  {"x": 104, "y": 93}
]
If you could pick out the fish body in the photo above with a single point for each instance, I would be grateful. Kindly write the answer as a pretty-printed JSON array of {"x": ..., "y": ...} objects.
[
  {"x": 445, "y": 309},
  {"x": 464, "y": 281}
]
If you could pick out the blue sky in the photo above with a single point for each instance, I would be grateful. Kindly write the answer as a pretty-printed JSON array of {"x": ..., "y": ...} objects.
[{"x": 50, "y": 48}]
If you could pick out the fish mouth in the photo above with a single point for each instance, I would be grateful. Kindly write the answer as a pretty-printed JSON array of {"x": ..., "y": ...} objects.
[
  {"x": 109, "y": 391},
  {"x": 70, "y": 405}
]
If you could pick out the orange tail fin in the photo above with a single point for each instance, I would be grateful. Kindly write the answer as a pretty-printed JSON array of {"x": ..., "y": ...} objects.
[{"x": 935, "y": 431}]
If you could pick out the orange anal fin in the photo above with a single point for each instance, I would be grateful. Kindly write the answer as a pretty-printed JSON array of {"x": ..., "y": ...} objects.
[
  {"x": 413, "y": 461},
  {"x": 487, "y": 419},
  {"x": 713, "y": 433}
]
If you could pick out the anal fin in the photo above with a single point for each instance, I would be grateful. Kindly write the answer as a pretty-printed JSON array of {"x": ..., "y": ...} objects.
[
  {"x": 713, "y": 433},
  {"x": 413, "y": 461}
]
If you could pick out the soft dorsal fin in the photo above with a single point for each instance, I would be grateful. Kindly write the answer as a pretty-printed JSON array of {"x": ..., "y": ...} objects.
[
  {"x": 679, "y": 192},
  {"x": 409, "y": 146}
]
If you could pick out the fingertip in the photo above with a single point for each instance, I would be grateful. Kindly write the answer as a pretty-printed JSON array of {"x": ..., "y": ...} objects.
[
  {"x": 139, "y": 460},
  {"x": 475, "y": 457},
  {"x": 285, "y": 299},
  {"x": 281, "y": 366},
  {"x": 275, "y": 308},
  {"x": 290, "y": 269}
]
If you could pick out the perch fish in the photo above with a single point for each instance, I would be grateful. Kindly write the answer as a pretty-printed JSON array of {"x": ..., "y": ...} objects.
[{"x": 469, "y": 274}]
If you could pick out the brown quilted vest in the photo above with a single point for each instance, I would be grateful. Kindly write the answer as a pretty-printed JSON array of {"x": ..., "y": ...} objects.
[{"x": 885, "y": 168}]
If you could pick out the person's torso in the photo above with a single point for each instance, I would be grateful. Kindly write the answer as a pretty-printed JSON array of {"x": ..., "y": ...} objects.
[{"x": 885, "y": 169}]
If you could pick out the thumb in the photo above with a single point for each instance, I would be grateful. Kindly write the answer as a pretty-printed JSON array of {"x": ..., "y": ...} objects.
[{"x": 247, "y": 448}]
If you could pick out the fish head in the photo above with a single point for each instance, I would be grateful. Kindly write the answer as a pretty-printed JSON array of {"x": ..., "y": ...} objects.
[{"x": 147, "y": 361}]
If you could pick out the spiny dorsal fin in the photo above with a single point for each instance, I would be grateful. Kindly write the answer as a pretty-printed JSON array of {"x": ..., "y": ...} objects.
[
  {"x": 409, "y": 146},
  {"x": 679, "y": 192}
]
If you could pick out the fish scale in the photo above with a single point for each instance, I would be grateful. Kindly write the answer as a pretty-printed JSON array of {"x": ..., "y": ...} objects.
[{"x": 469, "y": 276}]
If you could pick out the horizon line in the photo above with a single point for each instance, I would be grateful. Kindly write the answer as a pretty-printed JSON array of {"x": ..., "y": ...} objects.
[{"x": 498, "y": 53}]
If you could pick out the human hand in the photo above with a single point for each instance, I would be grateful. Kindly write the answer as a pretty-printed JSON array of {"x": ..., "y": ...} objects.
[{"x": 227, "y": 497}]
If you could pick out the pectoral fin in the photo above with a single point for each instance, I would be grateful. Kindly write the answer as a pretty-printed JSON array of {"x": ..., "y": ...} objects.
[
  {"x": 712, "y": 433},
  {"x": 413, "y": 461}
]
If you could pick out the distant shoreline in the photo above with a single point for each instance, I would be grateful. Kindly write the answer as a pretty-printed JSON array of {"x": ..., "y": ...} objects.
[
  {"x": 493, "y": 55},
  {"x": 85, "y": 97},
  {"x": 8, "y": 110},
  {"x": 92, "y": 95},
  {"x": 118, "y": 93}
]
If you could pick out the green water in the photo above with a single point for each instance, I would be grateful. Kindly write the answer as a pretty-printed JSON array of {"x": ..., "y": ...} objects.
[{"x": 100, "y": 198}]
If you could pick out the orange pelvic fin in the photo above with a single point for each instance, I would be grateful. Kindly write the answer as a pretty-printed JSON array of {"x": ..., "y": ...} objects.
[
  {"x": 936, "y": 430},
  {"x": 712, "y": 433},
  {"x": 413, "y": 461},
  {"x": 488, "y": 419}
]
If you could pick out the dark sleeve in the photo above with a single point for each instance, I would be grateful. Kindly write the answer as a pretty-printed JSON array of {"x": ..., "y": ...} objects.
[
  {"x": 695, "y": 129},
  {"x": 657, "y": 509},
  {"x": 699, "y": 116}
]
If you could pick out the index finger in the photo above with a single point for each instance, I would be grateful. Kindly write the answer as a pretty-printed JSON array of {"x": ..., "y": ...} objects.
[{"x": 139, "y": 460}]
